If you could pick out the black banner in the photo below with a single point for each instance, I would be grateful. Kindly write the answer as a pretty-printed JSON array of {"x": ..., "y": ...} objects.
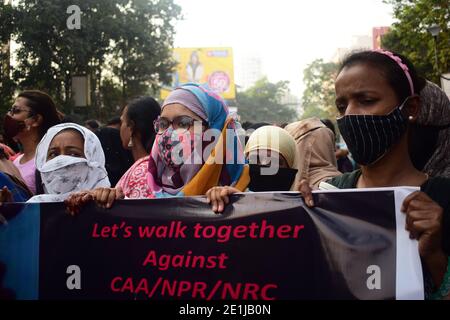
[{"x": 265, "y": 246}]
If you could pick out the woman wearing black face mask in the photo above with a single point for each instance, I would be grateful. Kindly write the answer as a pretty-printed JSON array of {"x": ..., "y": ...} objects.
[
  {"x": 27, "y": 122},
  {"x": 272, "y": 154},
  {"x": 377, "y": 97}
]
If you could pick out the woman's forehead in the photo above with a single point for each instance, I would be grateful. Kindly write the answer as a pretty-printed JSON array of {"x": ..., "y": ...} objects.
[
  {"x": 68, "y": 135},
  {"x": 21, "y": 102},
  {"x": 361, "y": 77},
  {"x": 176, "y": 109}
]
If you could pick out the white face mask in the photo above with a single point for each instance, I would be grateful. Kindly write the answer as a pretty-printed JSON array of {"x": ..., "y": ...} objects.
[{"x": 64, "y": 174}]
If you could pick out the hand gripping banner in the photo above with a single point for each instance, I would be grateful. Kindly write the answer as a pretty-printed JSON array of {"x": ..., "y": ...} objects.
[{"x": 265, "y": 246}]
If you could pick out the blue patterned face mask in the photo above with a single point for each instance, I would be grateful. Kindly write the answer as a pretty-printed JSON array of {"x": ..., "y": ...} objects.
[{"x": 370, "y": 137}]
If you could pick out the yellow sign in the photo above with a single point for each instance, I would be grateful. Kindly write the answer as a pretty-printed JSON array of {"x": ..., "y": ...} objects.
[{"x": 213, "y": 66}]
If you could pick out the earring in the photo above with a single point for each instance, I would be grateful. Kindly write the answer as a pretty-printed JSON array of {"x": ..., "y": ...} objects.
[
  {"x": 411, "y": 118},
  {"x": 130, "y": 143}
]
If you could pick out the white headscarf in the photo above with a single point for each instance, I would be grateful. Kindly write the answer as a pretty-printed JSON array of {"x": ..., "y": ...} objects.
[{"x": 65, "y": 174}]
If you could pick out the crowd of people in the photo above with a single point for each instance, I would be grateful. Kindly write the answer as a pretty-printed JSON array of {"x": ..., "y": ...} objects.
[{"x": 396, "y": 127}]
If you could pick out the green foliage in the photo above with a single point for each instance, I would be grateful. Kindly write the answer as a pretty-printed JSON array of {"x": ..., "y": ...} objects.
[
  {"x": 142, "y": 60},
  {"x": 262, "y": 103},
  {"x": 122, "y": 44},
  {"x": 6, "y": 30},
  {"x": 6, "y": 22},
  {"x": 409, "y": 35},
  {"x": 319, "y": 95},
  {"x": 111, "y": 98}
]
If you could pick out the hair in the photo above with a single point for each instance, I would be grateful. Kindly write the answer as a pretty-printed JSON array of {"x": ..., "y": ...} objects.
[
  {"x": 246, "y": 125},
  {"x": 259, "y": 125},
  {"x": 393, "y": 73},
  {"x": 329, "y": 125},
  {"x": 113, "y": 121},
  {"x": 42, "y": 104},
  {"x": 143, "y": 111},
  {"x": 93, "y": 124}
]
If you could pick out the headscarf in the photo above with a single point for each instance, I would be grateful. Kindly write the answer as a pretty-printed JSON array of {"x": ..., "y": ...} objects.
[
  {"x": 435, "y": 112},
  {"x": 274, "y": 139},
  {"x": 65, "y": 174},
  {"x": 187, "y": 99},
  {"x": 225, "y": 165}
]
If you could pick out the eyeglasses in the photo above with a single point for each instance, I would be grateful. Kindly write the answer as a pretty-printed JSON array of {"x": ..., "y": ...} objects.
[
  {"x": 16, "y": 110},
  {"x": 182, "y": 122}
]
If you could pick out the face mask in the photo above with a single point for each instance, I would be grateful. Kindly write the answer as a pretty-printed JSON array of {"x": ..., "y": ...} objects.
[
  {"x": 370, "y": 137},
  {"x": 64, "y": 174},
  {"x": 175, "y": 148},
  {"x": 281, "y": 181},
  {"x": 12, "y": 127}
]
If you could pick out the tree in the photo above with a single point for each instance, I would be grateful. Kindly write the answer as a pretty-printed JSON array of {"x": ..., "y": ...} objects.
[
  {"x": 409, "y": 35},
  {"x": 50, "y": 54},
  {"x": 128, "y": 42},
  {"x": 111, "y": 96},
  {"x": 262, "y": 103},
  {"x": 142, "y": 59},
  {"x": 319, "y": 95},
  {"x": 6, "y": 30}
]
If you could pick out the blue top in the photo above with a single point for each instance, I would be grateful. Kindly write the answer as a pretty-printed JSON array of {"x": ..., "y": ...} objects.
[{"x": 20, "y": 194}]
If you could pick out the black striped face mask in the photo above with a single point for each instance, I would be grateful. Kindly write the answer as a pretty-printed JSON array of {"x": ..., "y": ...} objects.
[{"x": 370, "y": 137}]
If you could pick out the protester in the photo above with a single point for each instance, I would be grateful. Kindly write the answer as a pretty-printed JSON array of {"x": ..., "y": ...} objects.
[
  {"x": 344, "y": 164},
  {"x": 376, "y": 113},
  {"x": 316, "y": 150},
  {"x": 69, "y": 158},
  {"x": 117, "y": 159},
  {"x": 430, "y": 139},
  {"x": 26, "y": 122},
  {"x": 177, "y": 164},
  {"x": 271, "y": 142},
  {"x": 137, "y": 133},
  {"x": 272, "y": 154},
  {"x": 193, "y": 104},
  {"x": 114, "y": 122},
  {"x": 7, "y": 166},
  {"x": 12, "y": 187}
]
